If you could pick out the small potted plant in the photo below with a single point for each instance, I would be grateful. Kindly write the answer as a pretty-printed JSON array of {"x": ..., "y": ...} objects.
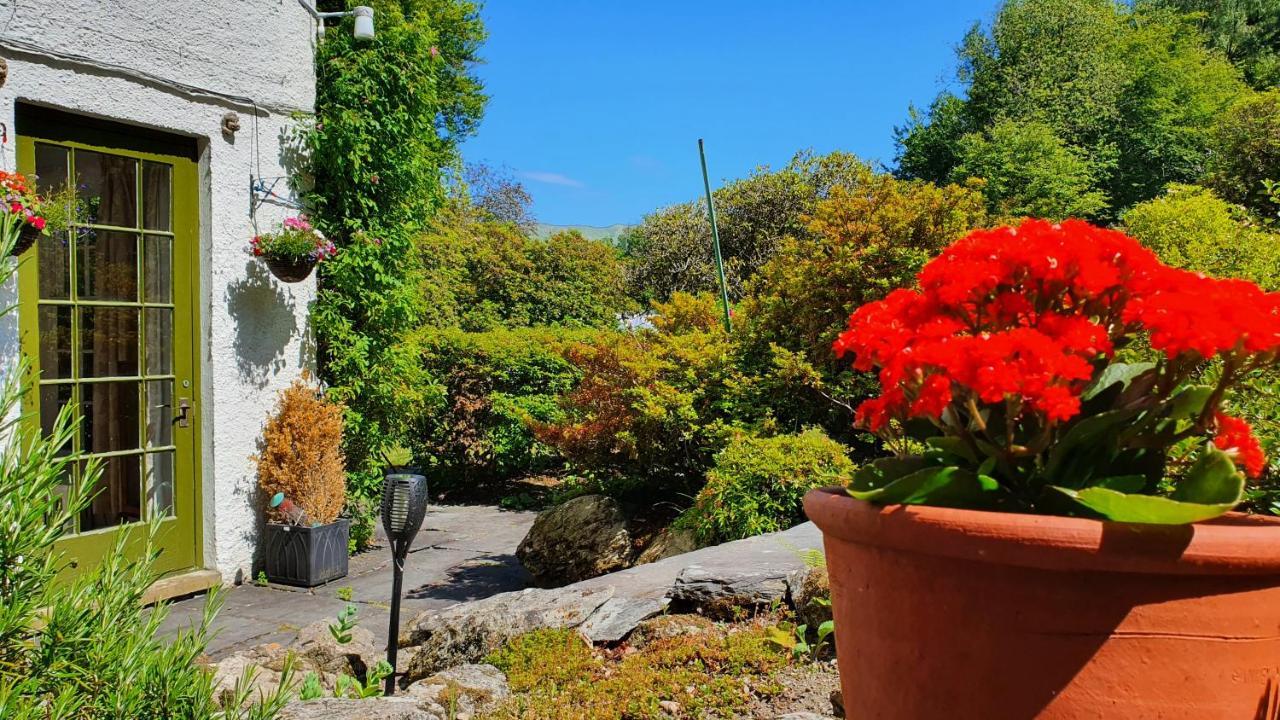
[
  {"x": 25, "y": 215},
  {"x": 292, "y": 252},
  {"x": 301, "y": 472},
  {"x": 1051, "y": 537}
]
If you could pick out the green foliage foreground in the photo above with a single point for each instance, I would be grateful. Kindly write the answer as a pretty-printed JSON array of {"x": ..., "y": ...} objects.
[{"x": 82, "y": 647}]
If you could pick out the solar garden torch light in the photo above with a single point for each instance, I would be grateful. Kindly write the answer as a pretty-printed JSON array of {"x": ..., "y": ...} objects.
[{"x": 404, "y": 504}]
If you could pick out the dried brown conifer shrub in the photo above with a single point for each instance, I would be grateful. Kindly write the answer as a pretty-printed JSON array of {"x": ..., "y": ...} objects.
[{"x": 302, "y": 453}]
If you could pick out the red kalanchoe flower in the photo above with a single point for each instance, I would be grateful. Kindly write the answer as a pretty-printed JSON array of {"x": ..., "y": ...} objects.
[
  {"x": 1023, "y": 315},
  {"x": 1235, "y": 437}
]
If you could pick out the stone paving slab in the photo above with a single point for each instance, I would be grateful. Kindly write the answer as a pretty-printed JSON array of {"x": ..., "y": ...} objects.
[{"x": 463, "y": 552}]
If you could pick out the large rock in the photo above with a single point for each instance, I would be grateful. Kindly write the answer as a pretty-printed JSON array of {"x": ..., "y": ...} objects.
[
  {"x": 607, "y": 609},
  {"x": 468, "y": 689},
  {"x": 264, "y": 681},
  {"x": 619, "y": 615},
  {"x": 811, "y": 595},
  {"x": 719, "y": 583},
  {"x": 375, "y": 708},
  {"x": 580, "y": 539},
  {"x": 317, "y": 650},
  {"x": 465, "y": 633},
  {"x": 669, "y": 543}
]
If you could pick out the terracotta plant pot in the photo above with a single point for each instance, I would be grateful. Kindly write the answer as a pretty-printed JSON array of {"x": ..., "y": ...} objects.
[
  {"x": 27, "y": 237},
  {"x": 291, "y": 271},
  {"x": 960, "y": 614}
]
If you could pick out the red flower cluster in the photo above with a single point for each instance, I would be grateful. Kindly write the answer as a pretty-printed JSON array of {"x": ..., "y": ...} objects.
[
  {"x": 1022, "y": 314},
  {"x": 21, "y": 199},
  {"x": 1235, "y": 437}
]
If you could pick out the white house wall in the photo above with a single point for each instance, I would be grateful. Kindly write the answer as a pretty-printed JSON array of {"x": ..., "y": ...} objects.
[{"x": 255, "y": 334}]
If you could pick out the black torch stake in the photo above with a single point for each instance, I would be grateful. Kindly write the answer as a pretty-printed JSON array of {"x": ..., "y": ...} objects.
[{"x": 404, "y": 504}]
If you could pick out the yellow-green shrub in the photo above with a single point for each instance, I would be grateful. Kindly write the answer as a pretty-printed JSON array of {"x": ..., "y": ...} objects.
[{"x": 757, "y": 484}]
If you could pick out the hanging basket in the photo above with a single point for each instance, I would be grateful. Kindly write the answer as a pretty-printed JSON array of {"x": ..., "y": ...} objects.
[
  {"x": 291, "y": 271},
  {"x": 26, "y": 239}
]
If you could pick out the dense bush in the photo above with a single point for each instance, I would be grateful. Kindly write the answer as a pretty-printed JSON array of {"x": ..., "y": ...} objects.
[
  {"x": 1029, "y": 171},
  {"x": 1246, "y": 152},
  {"x": 861, "y": 243},
  {"x": 494, "y": 385},
  {"x": 652, "y": 407},
  {"x": 1191, "y": 227},
  {"x": 757, "y": 484}
]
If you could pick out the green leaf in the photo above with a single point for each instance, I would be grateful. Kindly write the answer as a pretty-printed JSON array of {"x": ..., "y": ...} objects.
[
  {"x": 954, "y": 446},
  {"x": 1214, "y": 479},
  {"x": 1121, "y": 373},
  {"x": 1147, "y": 509},
  {"x": 1078, "y": 441},
  {"x": 942, "y": 486},
  {"x": 987, "y": 466},
  {"x": 881, "y": 472},
  {"x": 1189, "y": 401}
]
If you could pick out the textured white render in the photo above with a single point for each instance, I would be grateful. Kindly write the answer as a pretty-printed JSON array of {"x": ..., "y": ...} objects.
[{"x": 255, "y": 337}]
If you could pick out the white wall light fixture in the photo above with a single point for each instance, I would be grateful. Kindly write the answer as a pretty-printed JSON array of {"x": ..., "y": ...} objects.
[{"x": 363, "y": 15}]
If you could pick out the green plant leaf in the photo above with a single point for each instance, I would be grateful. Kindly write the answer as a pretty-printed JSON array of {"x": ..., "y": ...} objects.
[
  {"x": 881, "y": 472},
  {"x": 1079, "y": 443},
  {"x": 1189, "y": 401},
  {"x": 942, "y": 486},
  {"x": 1115, "y": 373},
  {"x": 780, "y": 637},
  {"x": 1213, "y": 479},
  {"x": 1147, "y": 509},
  {"x": 954, "y": 446}
]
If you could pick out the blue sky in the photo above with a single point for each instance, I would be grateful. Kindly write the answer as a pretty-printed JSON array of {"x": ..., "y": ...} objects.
[{"x": 597, "y": 106}]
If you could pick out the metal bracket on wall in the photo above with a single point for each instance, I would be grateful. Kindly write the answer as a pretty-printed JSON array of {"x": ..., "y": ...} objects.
[{"x": 263, "y": 190}]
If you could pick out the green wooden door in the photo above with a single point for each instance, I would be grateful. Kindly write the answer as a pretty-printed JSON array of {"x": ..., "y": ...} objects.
[{"x": 108, "y": 317}]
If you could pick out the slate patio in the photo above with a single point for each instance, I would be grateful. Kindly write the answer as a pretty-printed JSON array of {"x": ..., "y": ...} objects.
[{"x": 464, "y": 552}]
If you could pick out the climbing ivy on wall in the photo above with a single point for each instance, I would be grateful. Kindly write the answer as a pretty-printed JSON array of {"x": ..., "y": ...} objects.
[{"x": 389, "y": 116}]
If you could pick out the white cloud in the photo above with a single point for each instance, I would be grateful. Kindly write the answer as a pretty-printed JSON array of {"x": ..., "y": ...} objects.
[{"x": 551, "y": 178}]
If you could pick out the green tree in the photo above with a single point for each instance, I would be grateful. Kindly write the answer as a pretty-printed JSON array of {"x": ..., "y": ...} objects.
[
  {"x": 1029, "y": 171},
  {"x": 1132, "y": 92},
  {"x": 1247, "y": 31},
  {"x": 480, "y": 274},
  {"x": 389, "y": 115},
  {"x": 1246, "y": 152}
]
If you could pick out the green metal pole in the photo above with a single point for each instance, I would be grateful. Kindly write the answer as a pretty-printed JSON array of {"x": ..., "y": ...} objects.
[{"x": 715, "y": 239}]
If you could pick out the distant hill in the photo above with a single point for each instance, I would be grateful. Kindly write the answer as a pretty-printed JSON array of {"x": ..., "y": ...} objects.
[{"x": 590, "y": 232}]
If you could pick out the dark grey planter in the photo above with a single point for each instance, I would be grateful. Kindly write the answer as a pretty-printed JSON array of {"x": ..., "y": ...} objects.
[{"x": 305, "y": 556}]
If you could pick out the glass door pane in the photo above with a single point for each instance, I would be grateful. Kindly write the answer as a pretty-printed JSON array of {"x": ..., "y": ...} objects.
[{"x": 106, "y": 328}]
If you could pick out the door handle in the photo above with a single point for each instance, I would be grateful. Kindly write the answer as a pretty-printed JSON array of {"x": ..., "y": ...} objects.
[{"x": 184, "y": 407}]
